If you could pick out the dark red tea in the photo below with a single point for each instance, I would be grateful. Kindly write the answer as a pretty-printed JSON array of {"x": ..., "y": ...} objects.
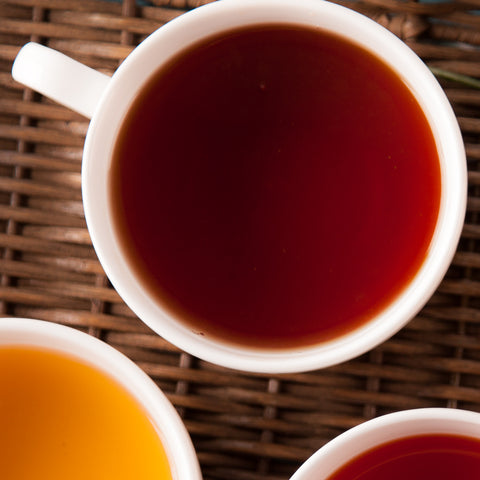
[
  {"x": 275, "y": 185},
  {"x": 439, "y": 457}
]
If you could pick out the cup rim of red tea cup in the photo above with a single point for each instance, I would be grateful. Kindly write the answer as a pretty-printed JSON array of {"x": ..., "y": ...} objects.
[
  {"x": 225, "y": 15},
  {"x": 380, "y": 430},
  {"x": 89, "y": 350}
]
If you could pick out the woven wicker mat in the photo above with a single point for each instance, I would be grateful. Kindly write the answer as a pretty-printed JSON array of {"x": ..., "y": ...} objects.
[{"x": 243, "y": 426}]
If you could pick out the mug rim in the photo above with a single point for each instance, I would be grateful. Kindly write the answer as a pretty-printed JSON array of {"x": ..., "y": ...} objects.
[
  {"x": 383, "y": 429},
  {"x": 91, "y": 351},
  {"x": 191, "y": 26}
]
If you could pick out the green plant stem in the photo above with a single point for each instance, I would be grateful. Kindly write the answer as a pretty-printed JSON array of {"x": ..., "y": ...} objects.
[{"x": 456, "y": 77}]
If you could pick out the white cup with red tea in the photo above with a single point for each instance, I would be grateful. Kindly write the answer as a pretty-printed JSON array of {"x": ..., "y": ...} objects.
[
  {"x": 440, "y": 443},
  {"x": 71, "y": 406},
  {"x": 270, "y": 185}
]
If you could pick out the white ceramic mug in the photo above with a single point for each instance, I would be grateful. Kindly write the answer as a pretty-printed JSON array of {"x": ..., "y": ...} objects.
[
  {"x": 28, "y": 333},
  {"x": 393, "y": 426},
  {"x": 107, "y": 100}
]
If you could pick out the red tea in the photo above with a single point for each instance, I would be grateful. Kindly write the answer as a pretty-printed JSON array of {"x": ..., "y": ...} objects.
[
  {"x": 275, "y": 185},
  {"x": 440, "y": 457}
]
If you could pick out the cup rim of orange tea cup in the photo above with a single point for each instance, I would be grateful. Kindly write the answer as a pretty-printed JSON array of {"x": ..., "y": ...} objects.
[
  {"x": 384, "y": 429},
  {"x": 225, "y": 15},
  {"x": 91, "y": 351}
]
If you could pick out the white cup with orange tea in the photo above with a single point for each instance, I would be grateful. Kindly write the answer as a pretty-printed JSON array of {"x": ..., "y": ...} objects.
[
  {"x": 440, "y": 443},
  {"x": 271, "y": 185},
  {"x": 73, "y": 407}
]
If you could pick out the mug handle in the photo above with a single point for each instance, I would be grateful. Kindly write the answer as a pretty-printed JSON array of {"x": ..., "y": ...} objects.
[{"x": 60, "y": 78}]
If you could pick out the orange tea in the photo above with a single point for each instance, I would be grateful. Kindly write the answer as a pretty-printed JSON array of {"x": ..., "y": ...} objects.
[{"x": 62, "y": 419}]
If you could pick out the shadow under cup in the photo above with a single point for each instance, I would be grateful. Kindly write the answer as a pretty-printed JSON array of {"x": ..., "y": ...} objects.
[{"x": 278, "y": 188}]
